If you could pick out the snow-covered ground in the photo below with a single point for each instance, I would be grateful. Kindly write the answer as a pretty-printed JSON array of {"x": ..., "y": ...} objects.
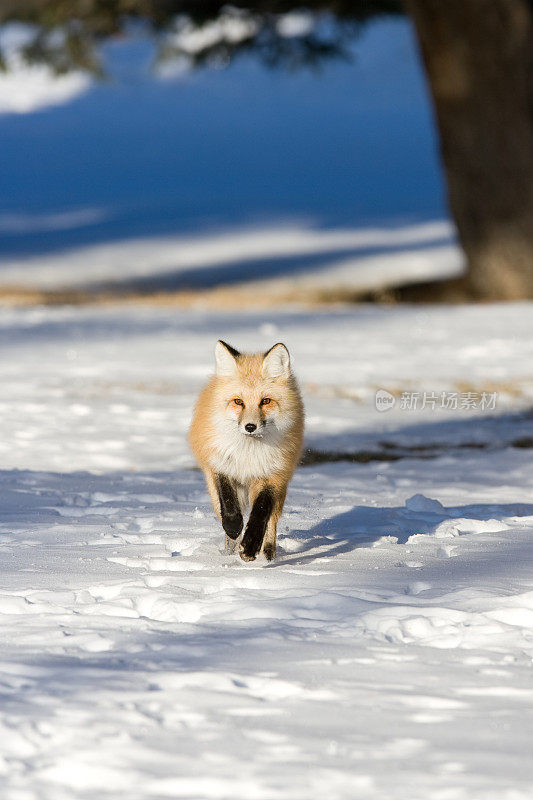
[
  {"x": 275, "y": 258},
  {"x": 386, "y": 653},
  {"x": 297, "y": 155},
  {"x": 25, "y": 87}
]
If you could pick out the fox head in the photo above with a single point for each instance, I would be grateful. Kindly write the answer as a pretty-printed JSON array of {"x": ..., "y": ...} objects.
[{"x": 256, "y": 393}]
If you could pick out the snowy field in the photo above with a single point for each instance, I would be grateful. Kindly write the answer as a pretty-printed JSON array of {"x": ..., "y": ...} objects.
[
  {"x": 386, "y": 653},
  {"x": 266, "y": 259},
  {"x": 136, "y": 168}
]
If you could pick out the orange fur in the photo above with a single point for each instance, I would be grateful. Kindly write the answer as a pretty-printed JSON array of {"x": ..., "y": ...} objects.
[{"x": 219, "y": 439}]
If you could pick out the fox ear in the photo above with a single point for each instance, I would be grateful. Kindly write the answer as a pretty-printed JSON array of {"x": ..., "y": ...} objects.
[
  {"x": 277, "y": 362},
  {"x": 225, "y": 356}
]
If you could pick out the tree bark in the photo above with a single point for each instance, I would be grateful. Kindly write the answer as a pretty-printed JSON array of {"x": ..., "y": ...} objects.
[{"x": 478, "y": 56}]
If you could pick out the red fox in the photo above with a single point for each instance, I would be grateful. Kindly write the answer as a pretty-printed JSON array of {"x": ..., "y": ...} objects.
[{"x": 246, "y": 435}]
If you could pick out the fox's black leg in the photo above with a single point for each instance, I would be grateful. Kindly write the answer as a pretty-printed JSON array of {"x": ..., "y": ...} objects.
[
  {"x": 257, "y": 524},
  {"x": 229, "y": 507}
]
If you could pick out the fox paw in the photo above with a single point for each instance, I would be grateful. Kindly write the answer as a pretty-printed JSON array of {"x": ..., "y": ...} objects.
[
  {"x": 269, "y": 551},
  {"x": 232, "y": 524},
  {"x": 246, "y": 553}
]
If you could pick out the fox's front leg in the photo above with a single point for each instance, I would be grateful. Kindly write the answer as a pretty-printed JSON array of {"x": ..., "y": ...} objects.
[
  {"x": 226, "y": 505},
  {"x": 261, "y": 528},
  {"x": 230, "y": 510},
  {"x": 269, "y": 541}
]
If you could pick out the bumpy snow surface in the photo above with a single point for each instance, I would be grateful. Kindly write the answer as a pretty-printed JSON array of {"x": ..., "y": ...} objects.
[{"x": 386, "y": 653}]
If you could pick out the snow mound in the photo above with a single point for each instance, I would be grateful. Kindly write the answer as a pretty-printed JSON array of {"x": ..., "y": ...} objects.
[{"x": 418, "y": 502}]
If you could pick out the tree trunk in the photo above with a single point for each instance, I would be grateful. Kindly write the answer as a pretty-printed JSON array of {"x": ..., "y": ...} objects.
[{"x": 478, "y": 56}]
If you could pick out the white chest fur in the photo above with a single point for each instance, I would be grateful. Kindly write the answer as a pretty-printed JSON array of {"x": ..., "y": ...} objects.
[{"x": 245, "y": 458}]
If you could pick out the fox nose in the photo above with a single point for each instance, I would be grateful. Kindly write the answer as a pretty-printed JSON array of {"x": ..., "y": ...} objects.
[{"x": 250, "y": 427}]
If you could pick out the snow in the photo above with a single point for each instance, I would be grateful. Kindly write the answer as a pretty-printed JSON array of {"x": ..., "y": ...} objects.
[
  {"x": 378, "y": 256},
  {"x": 295, "y": 23},
  {"x": 26, "y": 87},
  {"x": 275, "y": 157},
  {"x": 24, "y": 223},
  {"x": 387, "y": 652},
  {"x": 30, "y": 88},
  {"x": 232, "y": 26}
]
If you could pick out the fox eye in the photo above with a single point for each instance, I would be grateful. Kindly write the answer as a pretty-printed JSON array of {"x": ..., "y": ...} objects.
[
  {"x": 265, "y": 401},
  {"x": 238, "y": 401}
]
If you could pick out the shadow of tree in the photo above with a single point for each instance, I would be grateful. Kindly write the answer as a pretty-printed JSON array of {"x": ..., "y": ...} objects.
[
  {"x": 254, "y": 269},
  {"x": 467, "y": 431}
]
